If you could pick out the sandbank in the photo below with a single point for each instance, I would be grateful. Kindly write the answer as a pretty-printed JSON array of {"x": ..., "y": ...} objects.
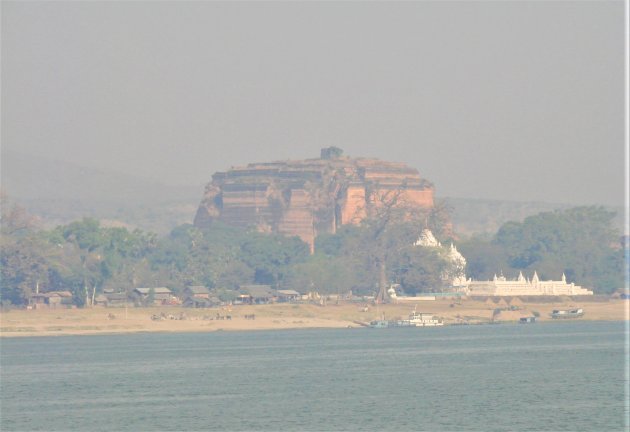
[{"x": 99, "y": 320}]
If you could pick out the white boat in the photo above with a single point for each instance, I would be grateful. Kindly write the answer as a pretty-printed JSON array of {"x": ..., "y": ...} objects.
[
  {"x": 416, "y": 319},
  {"x": 390, "y": 323},
  {"x": 379, "y": 324},
  {"x": 567, "y": 313},
  {"x": 420, "y": 319}
]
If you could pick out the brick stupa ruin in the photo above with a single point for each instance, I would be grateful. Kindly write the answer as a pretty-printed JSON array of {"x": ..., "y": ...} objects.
[{"x": 307, "y": 197}]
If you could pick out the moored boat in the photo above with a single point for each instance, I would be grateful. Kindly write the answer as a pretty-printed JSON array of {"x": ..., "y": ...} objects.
[
  {"x": 379, "y": 324},
  {"x": 390, "y": 323},
  {"x": 416, "y": 319},
  {"x": 567, "y": 313},
  {"x": 420, "y": 319}
]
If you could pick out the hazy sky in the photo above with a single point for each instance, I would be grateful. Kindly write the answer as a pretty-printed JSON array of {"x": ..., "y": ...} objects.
[{"x": 501, "y": 100}]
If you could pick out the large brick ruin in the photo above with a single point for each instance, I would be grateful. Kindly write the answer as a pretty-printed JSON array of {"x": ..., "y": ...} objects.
[{"x": 306, "y": 197}]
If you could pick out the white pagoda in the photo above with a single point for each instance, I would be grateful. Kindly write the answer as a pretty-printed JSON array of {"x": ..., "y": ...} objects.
[{"x": 456, "y": 276}]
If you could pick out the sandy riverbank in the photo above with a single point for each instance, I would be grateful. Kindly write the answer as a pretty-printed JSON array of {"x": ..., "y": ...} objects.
[{"x": 17, "y": 323}]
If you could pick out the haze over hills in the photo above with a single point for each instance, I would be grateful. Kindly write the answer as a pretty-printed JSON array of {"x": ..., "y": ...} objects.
[{"x": 59, "y": 192}]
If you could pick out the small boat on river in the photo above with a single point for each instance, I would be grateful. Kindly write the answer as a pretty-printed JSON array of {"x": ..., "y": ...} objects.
[
  {"x": 419, "y": 319},
  {"x": 416, "y": 319},
  {"x": 379, "y": 324},
  {"x": 567, "y": 313}
]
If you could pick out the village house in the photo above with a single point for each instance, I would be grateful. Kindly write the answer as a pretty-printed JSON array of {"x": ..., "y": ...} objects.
[
  {"x": 100, "y": 300},
  {"x": 201, "y": 302},
  {"x": 37, "y": 301},
  {"x": 115, "y": 299},
  {"x": 198, "y": 297},
  {"x": 109, "y": 298},
  {"x": 59, "y": 298},
  {"x": 52, "y": 299},
  {"x": 288, "y": 295},
  {"x": 196, "y": 291},
  {"x": 257, "y": 294},
  {"x": 161, "y": 295}
]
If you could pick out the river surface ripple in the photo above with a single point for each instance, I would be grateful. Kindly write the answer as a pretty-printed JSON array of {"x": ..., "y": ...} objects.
[{"x": 540, "y": 377}]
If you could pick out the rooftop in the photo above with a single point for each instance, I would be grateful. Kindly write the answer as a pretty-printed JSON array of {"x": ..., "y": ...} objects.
[
  {"x": 156, "y": 290},
  {"x": 258, "y": 291},
  {"x": 198, "y": 289}
]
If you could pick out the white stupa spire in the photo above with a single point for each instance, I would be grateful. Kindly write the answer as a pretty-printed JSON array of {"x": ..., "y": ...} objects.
[
  {"x": 427, "y": 239},
  {"x": 457, "y": 272}
]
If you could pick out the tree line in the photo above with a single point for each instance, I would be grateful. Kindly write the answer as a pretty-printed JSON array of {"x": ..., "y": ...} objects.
[
  {"x": 579, "y": 242},
  {"x": 84, "y": 256}
]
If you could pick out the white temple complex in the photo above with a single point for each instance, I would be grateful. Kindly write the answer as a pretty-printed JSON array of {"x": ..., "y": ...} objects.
[{"x": 499, "y": 285}]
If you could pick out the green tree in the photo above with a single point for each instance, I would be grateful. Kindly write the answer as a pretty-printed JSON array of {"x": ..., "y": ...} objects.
[
  {"x": 24, "y": 268},
  {"x": 484, "y": 258},
  {"x": 25, "y": 255},
  {"x": 331, "y": 153},
  {"x": 579, "y": 242},
  {"x": 150, "y": 297},
  {"x": 419, "y": 269},
  {"x": 234, "y": 274},
  {"x": 271, "y": 255},
  {"x": 323, "y": 274},
  {"x": 391, "y": 225},
  {"x": 104, "y": 253}
]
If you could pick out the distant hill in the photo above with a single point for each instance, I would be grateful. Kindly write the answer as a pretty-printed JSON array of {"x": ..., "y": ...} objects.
[
  {"x": 32, "y": 177},
  {"x": 478, "y": 216},
  {"x": 59, "y": 192}
]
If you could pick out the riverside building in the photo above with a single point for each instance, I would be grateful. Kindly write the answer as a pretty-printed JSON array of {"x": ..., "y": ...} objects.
[
  {"x": 457, "y": 281},
  {"x": 500, "y": 286}
]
